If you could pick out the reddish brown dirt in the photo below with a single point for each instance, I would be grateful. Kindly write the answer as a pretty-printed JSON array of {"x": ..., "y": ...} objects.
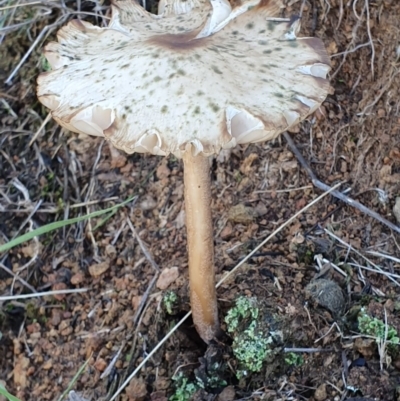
[{"x": 354, "y": 137}]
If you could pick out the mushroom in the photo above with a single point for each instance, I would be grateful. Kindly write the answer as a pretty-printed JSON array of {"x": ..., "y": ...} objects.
[{"x": 199, "y": 77}]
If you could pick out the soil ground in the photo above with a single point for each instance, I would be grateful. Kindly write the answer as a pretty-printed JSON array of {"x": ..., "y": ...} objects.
[{"x": 354, "y": 138}]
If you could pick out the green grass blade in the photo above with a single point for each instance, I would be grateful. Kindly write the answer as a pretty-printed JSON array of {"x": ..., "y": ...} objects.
[
  {"x": 58, "y": 224},
  {"x": 74, "y": 379},
  {"x": 6, "y": 394}
]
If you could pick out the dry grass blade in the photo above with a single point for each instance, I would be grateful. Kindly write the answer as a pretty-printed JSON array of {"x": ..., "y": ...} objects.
[
  {"x": 384, "y": 255},
  {"x": 42, "y": 294},
  {"x": 169, "y": 334}
]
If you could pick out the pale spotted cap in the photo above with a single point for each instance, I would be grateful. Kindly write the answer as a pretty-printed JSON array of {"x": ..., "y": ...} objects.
[{"x": 198, "y": 73}]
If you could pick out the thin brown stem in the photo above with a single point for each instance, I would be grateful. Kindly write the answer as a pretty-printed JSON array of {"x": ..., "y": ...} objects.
[{"x": 200, "y": 245}]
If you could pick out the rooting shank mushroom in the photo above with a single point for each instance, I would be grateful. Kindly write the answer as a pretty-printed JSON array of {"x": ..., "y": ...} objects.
[{"x": 195, "y": 79}]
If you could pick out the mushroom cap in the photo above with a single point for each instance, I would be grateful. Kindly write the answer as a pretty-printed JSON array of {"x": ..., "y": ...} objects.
[{"x": 199, "y": 73}]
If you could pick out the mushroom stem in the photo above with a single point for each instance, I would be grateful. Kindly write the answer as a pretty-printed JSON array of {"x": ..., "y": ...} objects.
[{"x": 200, "y": 241}]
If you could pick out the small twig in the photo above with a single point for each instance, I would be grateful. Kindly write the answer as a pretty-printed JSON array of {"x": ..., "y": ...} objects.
[
  {"x": 108, "y": 369},
  {"x": 42, "y": 294},
  {"x": 319, "y": 184},
  {"x": 39, "y": 130},
  {"x": 309, "y": 318},
  {"x": 30, "y": 50},
  {"x": 374, "y": 270},
  {"x": 149, "y": 355},
  {"x": 383, "y": 255},
  {"x": 278, "y": 191},
  {"x": 382, "y": 343},
  {"x": 308, "y": 350},
  {"x": 319, "y": 259},
  {"x": 330, "y": 329},
  {"x": 143, "y": 246}
]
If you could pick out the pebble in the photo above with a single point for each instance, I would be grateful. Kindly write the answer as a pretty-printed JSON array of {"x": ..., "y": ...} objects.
[
  {"x": 100, "y": 365},
  {"x": 136, "y": 390},
  {"x": 396, "y": 209},
  {"x": 227, "y": 394},
  {"x": 320, "y": 393},
  {"x": 77, "y": 278},
  {"x": 167, "y": 277},
  {"x": 99, "y": 269},
  {"x": 241, "y": 214}
]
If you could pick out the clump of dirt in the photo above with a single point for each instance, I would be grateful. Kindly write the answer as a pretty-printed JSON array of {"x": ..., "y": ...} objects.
[{"x": 328, "y": 294}]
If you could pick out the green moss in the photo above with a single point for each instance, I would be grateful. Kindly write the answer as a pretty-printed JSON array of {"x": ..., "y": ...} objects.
[
  {"x": 170, "y": 300},
  {"x": 293, "y": 359},
  {"x": 184, "y": 389},
  {"x": 374, "y": 327},
  {"x": 252, "y": 341}
]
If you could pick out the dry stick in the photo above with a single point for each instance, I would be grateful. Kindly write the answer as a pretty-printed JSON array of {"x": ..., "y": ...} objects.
[
  {"x": 319, "y": 184},
  {"x": 280, "y": 228},
  {"x": 39, "y": 130},
  {"x": 307, "y": 350},
  {"x": 154, "y": 265},
  {"x": 143, "y": 247},
  {"x": 26, "y": 55},
  {"x": 42, "y": 294}
]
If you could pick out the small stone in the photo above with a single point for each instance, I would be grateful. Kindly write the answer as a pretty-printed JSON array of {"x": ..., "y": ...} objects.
[
  {"x": 100, "y": 365},
  {"x": 163, "y": 171},
  {"x": 111, "y": 251},
  {"x": 118, "y": 160},
  {"x": 227, "y": 394},
  {"x": 366, "y": 347},
  {"x": 136, "y": 391},
  {"x": 381, "y": 113},
  {"x": 241, "y": 214},
  {"x": 320, "y": 393},
  {"x": 77, "y": 278},
  {"x": 33, "y": 328},
  {"x": 48, "y": 364},
  {"x": 58, "y": 287},
  {"x": 396, "y": 209},
  {"x": 67, "y": 331},
  {"x": 162, "y": 383},
  {"x": 227, "y": 232},
  {"x": 136, "y": 301},
  {"x": 167, "y": 277},
  {"x": 64, "y": 324},
  {"x": 246, "y": 166},
  {"x": 288, "y": 166},
  {"x": 20, "y": 372},
  {"x": 157, "y": 396},
  {"x": 99, "y": 269},
  {"x": 148, "y": 203}
]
